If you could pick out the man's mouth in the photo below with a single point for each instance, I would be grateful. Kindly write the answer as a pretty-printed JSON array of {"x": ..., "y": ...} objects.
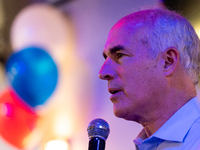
[
  {"x": 113, "y": 91},
  {"x": 115, "y": 94}
]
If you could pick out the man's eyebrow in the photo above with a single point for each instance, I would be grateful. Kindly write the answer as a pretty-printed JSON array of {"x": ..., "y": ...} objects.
[{"x": 114, "y": 50}]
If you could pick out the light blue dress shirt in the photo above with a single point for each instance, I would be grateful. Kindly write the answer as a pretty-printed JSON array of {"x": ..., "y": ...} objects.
[{"x": 180, "y": 132}]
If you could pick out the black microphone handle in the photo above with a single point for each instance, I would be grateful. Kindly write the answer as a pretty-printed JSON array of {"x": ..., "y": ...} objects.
[{"x": 96, "y": 144}]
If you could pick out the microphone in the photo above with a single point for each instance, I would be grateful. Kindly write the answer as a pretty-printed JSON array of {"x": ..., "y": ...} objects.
[{"x": 98, "y": 131}]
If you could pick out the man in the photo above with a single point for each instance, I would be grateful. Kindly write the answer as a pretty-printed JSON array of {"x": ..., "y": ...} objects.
[{"x": 152, "y": 66}]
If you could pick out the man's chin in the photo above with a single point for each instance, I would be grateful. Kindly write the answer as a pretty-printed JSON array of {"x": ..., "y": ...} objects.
[
  {"x": 119, "y": 113},
  {"x": 125, "y": 115}
]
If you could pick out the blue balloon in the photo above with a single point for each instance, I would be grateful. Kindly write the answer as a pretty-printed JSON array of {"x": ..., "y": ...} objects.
[{"x": 33, "y": 74}]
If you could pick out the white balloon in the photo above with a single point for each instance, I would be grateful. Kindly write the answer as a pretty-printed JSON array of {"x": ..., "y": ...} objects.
[{"x": 41, "y": 25}]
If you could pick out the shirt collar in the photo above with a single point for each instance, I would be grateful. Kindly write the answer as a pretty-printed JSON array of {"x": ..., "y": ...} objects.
[
  {"x": 176, "y": 128},
  {"x": 179, "y": 124}
]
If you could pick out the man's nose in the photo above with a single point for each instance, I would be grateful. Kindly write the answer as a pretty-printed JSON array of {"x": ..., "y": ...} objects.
[{"x": 107, "y": 71}]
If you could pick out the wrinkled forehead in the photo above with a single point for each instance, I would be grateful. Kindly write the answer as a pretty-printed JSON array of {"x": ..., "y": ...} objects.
[
  {"x": 125, "y": 30},
  {"x": 128, "y": 22}
]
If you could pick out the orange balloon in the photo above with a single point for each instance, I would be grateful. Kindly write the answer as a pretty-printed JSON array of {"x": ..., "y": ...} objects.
[{"x": 17, "y": 121}]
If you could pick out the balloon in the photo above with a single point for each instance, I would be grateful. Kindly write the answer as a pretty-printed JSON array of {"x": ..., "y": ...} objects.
[
  {"x": 42, "y": 25},
  {"x": 17, "y": 121},
  {"x": 33, "y": 75}
]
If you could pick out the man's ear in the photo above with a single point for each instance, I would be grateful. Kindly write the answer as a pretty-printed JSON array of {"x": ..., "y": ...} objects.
[{"x": 171, "y": 58}]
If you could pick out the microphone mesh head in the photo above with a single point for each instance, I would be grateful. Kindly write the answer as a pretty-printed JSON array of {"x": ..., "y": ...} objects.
[{"x": 98, "y": 128}]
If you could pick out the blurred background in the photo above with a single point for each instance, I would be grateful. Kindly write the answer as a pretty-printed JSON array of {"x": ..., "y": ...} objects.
[{"x": 50, "y": 56}]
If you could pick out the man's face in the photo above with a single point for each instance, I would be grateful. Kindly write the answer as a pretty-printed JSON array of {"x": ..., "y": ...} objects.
[{"x": 135, "y": 80}]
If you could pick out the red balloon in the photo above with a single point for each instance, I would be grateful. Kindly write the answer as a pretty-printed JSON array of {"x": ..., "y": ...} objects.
[{"x": 17, "y": 120}]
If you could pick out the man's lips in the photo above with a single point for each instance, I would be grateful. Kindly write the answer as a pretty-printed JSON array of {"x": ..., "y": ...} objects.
[
  {"x": 115, "y": 93},
  {"x": 113, "y": 90}
]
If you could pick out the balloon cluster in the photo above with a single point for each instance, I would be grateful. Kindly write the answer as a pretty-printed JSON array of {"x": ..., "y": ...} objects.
[
  {"x": 33, "y": 76},
  {"x": 38, "y": 32}
]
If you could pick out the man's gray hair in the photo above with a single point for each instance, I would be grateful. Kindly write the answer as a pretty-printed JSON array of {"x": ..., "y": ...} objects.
[{"x": 169, "y": 29}]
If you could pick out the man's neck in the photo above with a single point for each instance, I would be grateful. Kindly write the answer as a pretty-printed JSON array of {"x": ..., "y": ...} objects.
[{"x": 152, "y": 126}]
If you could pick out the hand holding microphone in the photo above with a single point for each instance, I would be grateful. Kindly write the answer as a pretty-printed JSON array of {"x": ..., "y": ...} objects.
[{"x": 98, "y": 131}]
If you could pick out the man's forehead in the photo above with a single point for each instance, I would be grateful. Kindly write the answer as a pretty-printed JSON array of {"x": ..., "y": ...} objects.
[
  {"x": 127, "y": 30},
  {"x": 128, "y": 24},
  {"x": 123, "y": 31}
]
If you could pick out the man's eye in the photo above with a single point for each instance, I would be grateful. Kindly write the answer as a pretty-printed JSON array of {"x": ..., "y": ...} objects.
[{"x": 119, "y": 55}]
